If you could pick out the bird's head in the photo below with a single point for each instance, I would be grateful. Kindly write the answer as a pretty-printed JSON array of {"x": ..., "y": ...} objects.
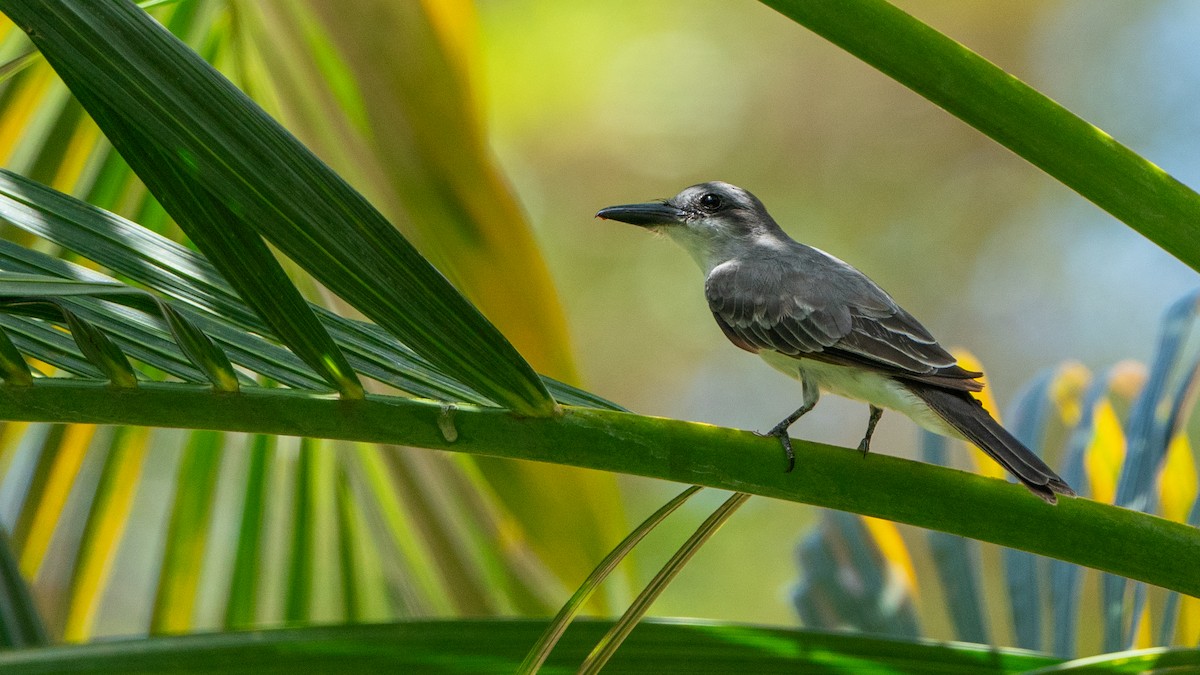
[{"x": 714, "y": 221}]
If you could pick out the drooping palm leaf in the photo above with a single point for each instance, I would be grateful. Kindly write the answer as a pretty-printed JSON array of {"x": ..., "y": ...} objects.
[
  {"x": 397, "y": 113},
  {"x": 248, "y": 350},
  {"x": 134, "y": 72}
]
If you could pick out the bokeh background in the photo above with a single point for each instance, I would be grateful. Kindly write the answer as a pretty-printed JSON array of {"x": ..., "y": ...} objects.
[{"x": 596, "y": 104}]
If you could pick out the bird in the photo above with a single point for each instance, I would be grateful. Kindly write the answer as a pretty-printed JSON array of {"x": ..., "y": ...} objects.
[{"x": 821, "y": 321}]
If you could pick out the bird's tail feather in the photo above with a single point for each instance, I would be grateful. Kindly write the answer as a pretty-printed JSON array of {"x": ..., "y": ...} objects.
[{"x": 963, "y": 412}]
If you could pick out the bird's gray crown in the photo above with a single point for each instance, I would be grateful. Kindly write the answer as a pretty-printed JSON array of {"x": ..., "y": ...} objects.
[{"x": 717, "y": 199}]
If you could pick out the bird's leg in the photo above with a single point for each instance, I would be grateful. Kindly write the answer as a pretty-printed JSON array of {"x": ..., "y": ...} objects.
[
  {"x": 810, "y": 393},
  {"x": 865, "y": 445}
]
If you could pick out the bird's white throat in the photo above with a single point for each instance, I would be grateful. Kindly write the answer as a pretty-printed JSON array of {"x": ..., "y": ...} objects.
[{"x": 710, "y": 247}]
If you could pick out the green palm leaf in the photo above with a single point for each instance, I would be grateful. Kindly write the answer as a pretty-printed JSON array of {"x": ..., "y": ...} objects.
[
  {"x": 1012, "y": 113},
  {"x": 497, "y": 647},
  {"x": 139, "y": 76}
]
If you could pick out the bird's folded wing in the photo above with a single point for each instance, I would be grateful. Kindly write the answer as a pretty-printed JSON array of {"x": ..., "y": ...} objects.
[{"x": 827, "y": 310}]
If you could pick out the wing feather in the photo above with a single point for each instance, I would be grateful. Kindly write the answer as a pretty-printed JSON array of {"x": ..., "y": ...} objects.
[{"x": 808, "y": 304}]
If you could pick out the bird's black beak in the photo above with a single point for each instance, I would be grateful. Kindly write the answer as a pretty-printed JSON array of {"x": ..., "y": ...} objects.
[{"x": 646, "y": 215}]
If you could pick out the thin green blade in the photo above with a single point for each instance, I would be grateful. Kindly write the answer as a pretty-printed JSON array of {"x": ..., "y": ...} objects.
[
  {"x": 1012, "y": 113},
  {"x": 241, "y": 255}
]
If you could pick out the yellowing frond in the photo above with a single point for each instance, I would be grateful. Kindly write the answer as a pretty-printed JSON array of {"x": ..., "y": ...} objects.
[
  {"x": 79, "y": 150},
  {"x": 457, "y": 26},
  {"x": 1066, "y": 391},
  {"x": 1177, "y": 488},
  {"x": 105, "y": 526},
  {"x": 1143, "y": 639},
  {"x": 1105, "y": 452},
  {"x": 19, "y": 113},
  {"x": 1187, "y": 631},
  {"x": 895, "y": 552},
  {"x": 53, "y": 496}
]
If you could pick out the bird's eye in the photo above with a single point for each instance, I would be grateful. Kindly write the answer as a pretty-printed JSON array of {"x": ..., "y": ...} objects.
[{"x": 710, "y": 202}]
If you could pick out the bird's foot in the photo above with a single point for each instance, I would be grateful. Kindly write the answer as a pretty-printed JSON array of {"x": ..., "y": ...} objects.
[
  {"x": 864, "y": 446},
  {"x": 781, "y": 433}
]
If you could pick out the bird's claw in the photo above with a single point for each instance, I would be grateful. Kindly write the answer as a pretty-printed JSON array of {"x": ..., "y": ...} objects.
[
  {"x": 786, "y": 442},
  {"x": 864, "y": 446}
]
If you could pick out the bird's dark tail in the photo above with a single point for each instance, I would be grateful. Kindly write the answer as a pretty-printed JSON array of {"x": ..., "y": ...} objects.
[{"x": 963, "y": 412}]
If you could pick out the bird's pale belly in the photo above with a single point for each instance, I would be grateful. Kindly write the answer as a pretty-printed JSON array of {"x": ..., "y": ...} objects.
[{"x": 860, "y": 385}]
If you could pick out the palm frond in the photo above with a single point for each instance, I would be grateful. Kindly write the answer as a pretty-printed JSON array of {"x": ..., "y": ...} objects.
[{"x": 139, "y": 76}]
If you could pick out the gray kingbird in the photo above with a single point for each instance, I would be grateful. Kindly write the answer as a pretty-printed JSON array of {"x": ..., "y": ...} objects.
[{"x": 821, "y": 321}]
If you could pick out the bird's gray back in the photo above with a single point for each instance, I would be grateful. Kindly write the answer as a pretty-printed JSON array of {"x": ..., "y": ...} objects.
[{"x": 792, "y": 298}]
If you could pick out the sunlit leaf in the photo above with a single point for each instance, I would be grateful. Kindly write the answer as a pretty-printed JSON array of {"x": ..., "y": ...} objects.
[
  {"x": 1157, "y": 660},
  {"x": 1178, "y": 483},
  {"x": 398, "y": 113}
]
